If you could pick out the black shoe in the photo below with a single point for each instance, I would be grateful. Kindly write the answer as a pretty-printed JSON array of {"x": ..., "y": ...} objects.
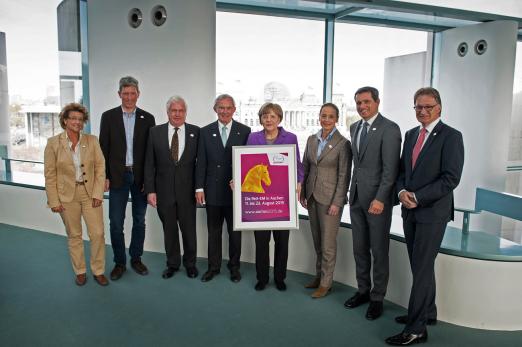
[
  {"x": 169, "y": 272},
  {"x": 280, "y": 285},
  {"x": 374, "y": 310},
  {"x": 192, "y": 272},
  {"x": 404, "y": 339},
  {"x": 357, "y": 300},
  {"x": 139, "y": 267},
  {"x": 235, "y": 276},
  {"x": 404, "y": 320},
  {"x": 209, "y": 275},
  {"x": 117, "y": 272},
  {"x": 260, "y": 286}
]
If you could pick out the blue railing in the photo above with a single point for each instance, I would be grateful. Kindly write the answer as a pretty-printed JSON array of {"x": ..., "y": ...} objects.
[{"x": 8, "y": 167}]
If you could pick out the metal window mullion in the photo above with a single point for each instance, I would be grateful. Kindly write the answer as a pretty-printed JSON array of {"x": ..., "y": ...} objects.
[{"x": 328, "y": 59}]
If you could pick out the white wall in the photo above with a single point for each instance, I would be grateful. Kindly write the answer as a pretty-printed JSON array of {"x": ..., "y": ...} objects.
[
  {"x": 403, "y": 75},
  {"x": 176, "y": 58},
  {"x": 477, "y": 93}
]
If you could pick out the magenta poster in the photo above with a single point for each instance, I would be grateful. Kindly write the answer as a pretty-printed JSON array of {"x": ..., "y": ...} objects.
[{"x": 264, "y": 187}]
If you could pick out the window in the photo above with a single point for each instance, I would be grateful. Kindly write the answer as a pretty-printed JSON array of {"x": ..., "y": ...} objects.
[
  {"x": 44, "y": 69},
  {"x": 264, "y": 58}
]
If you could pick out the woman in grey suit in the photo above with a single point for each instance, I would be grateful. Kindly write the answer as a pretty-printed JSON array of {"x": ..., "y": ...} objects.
[{"x": 327, "y": 166}]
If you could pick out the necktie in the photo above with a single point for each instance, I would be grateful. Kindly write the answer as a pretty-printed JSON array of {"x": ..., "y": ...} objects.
[
  {"x": 362, "y": 136},
  {"x": 174, "y": 145},
  {"x": 418, "y": 147},
  {"x": 224, "y": 136}
]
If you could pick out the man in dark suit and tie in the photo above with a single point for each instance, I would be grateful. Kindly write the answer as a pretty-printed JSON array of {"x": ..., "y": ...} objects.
[
  {"x": 376, "y": 146},
  {"x": 124, "y": 131},
  {"x": 213, "y": 174},
  {"x": 430, "y": 169},
  {"x": 169, "y": 183}
]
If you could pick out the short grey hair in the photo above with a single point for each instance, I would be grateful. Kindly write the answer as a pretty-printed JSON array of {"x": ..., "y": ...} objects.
[
  {"x": 128, "y": 81},
  {"x": 223, "y": 97},
  {"x": 176, "y": 99}
]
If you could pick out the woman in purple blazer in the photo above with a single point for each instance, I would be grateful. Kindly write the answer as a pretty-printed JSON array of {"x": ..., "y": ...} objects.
[{"x": 270, "y": 116}]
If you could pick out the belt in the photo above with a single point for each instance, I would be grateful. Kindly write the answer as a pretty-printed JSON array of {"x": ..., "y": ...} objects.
[
  {"x": 128, "y": 168},
  {"x": 80, "y": 183}
]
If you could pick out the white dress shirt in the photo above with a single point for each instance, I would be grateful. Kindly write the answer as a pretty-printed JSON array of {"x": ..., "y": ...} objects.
[{"x": 76, "y": 157}]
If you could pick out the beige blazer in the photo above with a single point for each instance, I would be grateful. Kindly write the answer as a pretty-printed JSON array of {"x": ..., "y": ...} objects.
[
  {"x": 326, "y": 178},
  {"x": 60, "y": 174}
]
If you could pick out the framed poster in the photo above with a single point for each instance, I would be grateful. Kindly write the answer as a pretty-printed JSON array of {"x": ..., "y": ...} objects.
[{"x": 265, "y": 179}]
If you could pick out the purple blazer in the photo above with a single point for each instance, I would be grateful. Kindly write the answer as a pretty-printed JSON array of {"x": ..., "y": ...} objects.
[{"x": 284, "y": 138}]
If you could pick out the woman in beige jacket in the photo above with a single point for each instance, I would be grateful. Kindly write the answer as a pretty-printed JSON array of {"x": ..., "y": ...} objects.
[
  {"x": 74, "y": 182},
  {"x": 327, "y": 165}
]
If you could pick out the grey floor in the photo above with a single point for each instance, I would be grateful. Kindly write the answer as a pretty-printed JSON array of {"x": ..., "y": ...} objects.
[{"x": 41, "y": 306}]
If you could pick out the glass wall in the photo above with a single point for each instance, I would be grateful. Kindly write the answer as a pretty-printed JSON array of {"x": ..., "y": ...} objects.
[
  {"x": 43, "y": 71},
  {"x": 264, "y": 58},
  {"x": 359, "y": 60}
]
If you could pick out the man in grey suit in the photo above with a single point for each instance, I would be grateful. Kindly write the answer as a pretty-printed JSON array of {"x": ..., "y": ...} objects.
[
  {"x": 169, "y": 183},
  {"x": 430, "y": 169},
  {"x": 376, "y": 146},
  {"x": 213, "y": 175}
]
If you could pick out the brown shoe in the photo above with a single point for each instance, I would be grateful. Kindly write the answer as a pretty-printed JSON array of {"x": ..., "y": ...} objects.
[
  {"x": 321, "y": 292},
  {"x": 101, "y": 279},
  {"x": 314, "y": 284},
  {"x": 117, "y": 272},
  {"x": 80, "y": 279}
]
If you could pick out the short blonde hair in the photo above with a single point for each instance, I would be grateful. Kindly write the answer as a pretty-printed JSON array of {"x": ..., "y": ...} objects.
[{"x": 73, "y": 106}]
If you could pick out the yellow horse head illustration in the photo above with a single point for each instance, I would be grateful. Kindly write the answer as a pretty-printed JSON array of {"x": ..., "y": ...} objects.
[{"x": 253, "y": 179}]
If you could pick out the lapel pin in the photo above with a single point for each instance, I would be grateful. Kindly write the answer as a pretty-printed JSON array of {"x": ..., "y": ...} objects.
[
  {"x": 374, "y": 129},
  {"x": 214, "y": 135},
  {"x": 191, "y": 135},
  {"x": 142, "y": 117},
  {"x": 434, "y": 134}
]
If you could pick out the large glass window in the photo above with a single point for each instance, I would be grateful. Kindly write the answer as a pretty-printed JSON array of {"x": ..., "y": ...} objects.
[
  {"x": 42, "y": 47},
  {"x": 364, "y": 56},
  {"x": 512, "y": 229},
  {"x": 264, "y": 58}
]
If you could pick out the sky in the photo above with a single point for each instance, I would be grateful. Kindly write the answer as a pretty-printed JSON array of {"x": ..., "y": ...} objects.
[{"x": 32, "y": 46}]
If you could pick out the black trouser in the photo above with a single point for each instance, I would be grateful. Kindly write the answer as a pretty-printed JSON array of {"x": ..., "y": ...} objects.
[
  {"x": 423, "y": 241},
  {"x": 216, "y": 215},
  {"x": 185, "y": 214},
  {"x": 262, "y": 238}
]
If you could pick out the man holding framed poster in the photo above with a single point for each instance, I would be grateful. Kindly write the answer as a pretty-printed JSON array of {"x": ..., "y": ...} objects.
[
  {"x": 213, "y": 174},
  {"x": 264, "y": 196}
]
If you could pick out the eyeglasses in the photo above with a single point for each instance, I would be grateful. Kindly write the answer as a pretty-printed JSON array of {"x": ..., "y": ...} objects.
[
  {"x": 76, "y": 119},
  {"x": 419, "y": 108}
]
